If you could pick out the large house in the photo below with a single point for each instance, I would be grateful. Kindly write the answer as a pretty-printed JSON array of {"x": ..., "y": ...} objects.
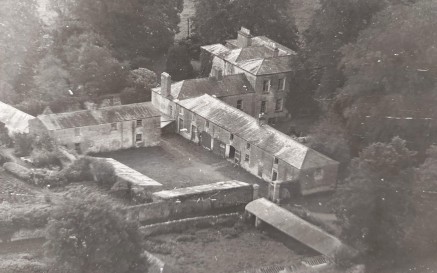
[
  {"x": 268, "y": 67},
  {"x": 105, "y": 129},
  {"x": 290, "y": 167}
]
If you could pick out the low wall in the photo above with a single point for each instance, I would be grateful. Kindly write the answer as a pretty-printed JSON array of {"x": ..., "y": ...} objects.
[
  {"x": 229, "y": 200},
  {"x": 189, "y": 223}
]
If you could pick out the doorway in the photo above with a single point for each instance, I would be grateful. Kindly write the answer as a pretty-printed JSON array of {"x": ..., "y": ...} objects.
[{"x": 231, "y": 152}]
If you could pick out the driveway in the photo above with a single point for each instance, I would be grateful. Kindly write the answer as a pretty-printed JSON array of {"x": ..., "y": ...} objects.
[{"x": 178, "y": 163}]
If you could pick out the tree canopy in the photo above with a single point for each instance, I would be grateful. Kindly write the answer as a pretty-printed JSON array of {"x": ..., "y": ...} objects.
[
  {"x": 375, "y": 201},
  {"x": 215, "y": 21},
  {"x": 90, "y": 236}
]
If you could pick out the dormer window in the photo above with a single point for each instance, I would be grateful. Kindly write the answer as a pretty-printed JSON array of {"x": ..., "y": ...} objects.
[{"x": 266, "y": 85}]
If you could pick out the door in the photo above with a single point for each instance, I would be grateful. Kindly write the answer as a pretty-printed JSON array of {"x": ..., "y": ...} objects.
[
  {"x": 193, "y": 133},
  {"x": 206, "y": 140},
  {"x": 231, "y": 152}
]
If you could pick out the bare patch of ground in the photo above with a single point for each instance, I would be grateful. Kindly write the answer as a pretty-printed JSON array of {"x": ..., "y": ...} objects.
[
  {"x": 221, "y": 250},
  {"x": 303, "y": 12}
]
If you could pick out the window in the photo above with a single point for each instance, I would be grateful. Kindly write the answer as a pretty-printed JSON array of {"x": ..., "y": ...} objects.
[
  {"x": 276, "y": 160},
  {"x": 247, "y": 158},
  {"x": 139, "y": 122},
  {"x": 274, "y": 176},
  {"x": 77, "y": 131},
  {"x": 247, "y": 145},
  {"x": 278, "y": 106},
  {"x": 240, "y": 104},
  {"x": 318, "y": 174},
  {"x": 263, "y": 107},
  {"x": 281, "y": 84},
  {"x": 138, "y": 137},
  {"x": 170, "y": 110},
  {"x": 231, "y": 137},
  {"x": 113, "y": 126},
  {"x": 266, "y": 85},
  {"x": 207, "y": 124},
  {"x": 181, "y": 111}
]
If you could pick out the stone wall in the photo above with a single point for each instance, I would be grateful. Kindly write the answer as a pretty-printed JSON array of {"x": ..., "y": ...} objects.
[
  {"x": 193, "y": 205},
  {"x": 189, "y": 223}
]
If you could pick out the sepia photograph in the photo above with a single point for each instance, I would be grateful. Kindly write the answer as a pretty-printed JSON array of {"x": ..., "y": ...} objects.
[{"x": 218, "y": 136}]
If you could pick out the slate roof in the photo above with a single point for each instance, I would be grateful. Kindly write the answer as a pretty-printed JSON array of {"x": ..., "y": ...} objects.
[
  {"x": 265, "y": 66},
  {"x": 297, "y": 228},
  {"x": 15, "y": 120},
  {"x": 264, "y": 41},
  {"x": 263, "y": 136},
  {"x": 104, "y": 115},
  {"x": 230, "y": 85}
]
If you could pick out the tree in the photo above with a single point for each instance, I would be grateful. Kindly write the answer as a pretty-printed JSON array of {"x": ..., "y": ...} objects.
[
  {"x": 329, "y": 137},
  {"x": 134, "y": 27},
  {"x": 20, "y": 47},
  {"x": 215, "y": 21},
  {"x": 389, "y": 74},
  {"x": 179, "y": 63},
  {"x": 139, "y": 84},
  {"x": 90, "y": 236},
  {"x": 375, "y": 199}
]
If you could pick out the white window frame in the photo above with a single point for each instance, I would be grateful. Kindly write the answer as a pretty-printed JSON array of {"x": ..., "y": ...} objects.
[
  {"x": 268, "y": 85},
  {"x": 281, "y": 87}
]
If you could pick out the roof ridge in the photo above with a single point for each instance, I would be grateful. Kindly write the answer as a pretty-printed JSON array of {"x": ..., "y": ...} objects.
[{"x": 98, "y": 109}]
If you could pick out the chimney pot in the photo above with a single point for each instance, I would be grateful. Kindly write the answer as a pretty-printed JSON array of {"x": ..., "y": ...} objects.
[{"x": 165, "y": 84}]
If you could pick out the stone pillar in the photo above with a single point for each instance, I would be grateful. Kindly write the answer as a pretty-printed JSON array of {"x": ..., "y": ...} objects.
[
  {"x": 276, "y": 192},
  {"x": 255, "y": 191}
]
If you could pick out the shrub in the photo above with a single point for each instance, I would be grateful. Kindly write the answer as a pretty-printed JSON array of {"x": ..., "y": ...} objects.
[
  {"x": 77, "y": 171},
  {"x": 45, "y": 158},
  {"x": 23, "y": 144},
  {"x": 18, "y": 171},
  {"x": 103, "y": 173}
]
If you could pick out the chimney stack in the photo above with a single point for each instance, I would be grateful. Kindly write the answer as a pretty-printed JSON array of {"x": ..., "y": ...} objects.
[
  {"x": 275, "y": 50},
  {"x": 165, "y": 84},
  {"x": 217, "y": 73},
  {"x": 244, "y": 38}
]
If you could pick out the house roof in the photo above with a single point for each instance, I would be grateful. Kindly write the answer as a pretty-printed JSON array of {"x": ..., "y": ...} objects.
[
  {"x": 297, "y": 228},
  {"x": 100, "y": 116},
  {"x": 15, "y": 120},
  {"x": 263, "y": 136},
  {"x": 264, "y": 66},
  {"x": 264, "y": 41},
  {"x": 230, "y": 85}
]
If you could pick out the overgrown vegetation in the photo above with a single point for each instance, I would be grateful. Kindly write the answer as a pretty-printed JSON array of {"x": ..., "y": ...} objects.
[{"x": 90, "y": 236}]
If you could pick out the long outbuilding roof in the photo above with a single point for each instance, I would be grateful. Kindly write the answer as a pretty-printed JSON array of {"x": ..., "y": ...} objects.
[
  {"x": 104, "y": 115},
  {"x": 297, "y": 228},
  {"x": 229, "y": 85},
  {"x": 264, "y": 137},
  {"x": 15, "y": 120}
]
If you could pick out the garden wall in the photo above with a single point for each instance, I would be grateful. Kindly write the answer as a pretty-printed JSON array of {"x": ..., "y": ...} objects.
[
  {"x": 189, "y": 223},
  {"x": 195, "y": 201}
]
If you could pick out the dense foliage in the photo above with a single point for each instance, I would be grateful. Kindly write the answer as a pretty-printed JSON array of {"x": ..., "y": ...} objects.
[
  {"x": 216, "y": 21},
  {"x": 375, "y": 201},
  {"x": 90, "y": 236}
]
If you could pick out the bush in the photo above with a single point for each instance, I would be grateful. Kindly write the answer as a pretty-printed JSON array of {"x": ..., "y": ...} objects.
[
  {"x": 45, "y": 158},
  {"x": 78, "y": 171},
  {"x": 103, "y": 173},
  {"x": 23, "y": 144},
  {"x": 18, "y": 171}
]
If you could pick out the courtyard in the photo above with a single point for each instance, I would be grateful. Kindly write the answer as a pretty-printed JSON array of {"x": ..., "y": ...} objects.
[{"x": 178, "y": 163}]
